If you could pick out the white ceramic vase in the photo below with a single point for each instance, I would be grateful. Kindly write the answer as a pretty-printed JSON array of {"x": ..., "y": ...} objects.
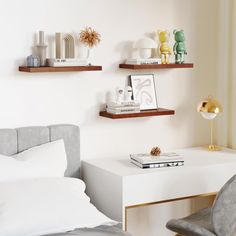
[
  {"x": 84, "y": 52},
  {"x": 42, "y": 54}
]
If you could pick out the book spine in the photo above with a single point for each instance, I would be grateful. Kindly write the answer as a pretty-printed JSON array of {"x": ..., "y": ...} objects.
[
  {"x": 61, "y": 64},
  {"x": 69, "y": 60},
  {"x": 143, "y": 61},
  {"x": 145, "y": 158},
  {"x": 122, "y": 111},
  {"x": 66, "y": 62},
  {"x": 119, "y": 106},
  {"x": 158, "y": 165},
  {"x": 123, "y": 107}
]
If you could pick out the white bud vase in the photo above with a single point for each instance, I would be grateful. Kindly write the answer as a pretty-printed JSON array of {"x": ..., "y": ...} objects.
[
  {"x": 84, "y": 52},
  {"x": 89, "y": 55}
]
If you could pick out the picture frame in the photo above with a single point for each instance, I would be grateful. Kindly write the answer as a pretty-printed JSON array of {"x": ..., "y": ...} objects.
[{"x": 144, "y": 91}]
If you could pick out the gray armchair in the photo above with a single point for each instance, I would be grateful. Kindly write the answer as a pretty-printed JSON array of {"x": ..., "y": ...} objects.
[{"x": 220, "y": 219}]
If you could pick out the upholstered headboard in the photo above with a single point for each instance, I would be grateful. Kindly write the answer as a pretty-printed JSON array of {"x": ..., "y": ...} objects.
[{"x": 13, "y": 141}]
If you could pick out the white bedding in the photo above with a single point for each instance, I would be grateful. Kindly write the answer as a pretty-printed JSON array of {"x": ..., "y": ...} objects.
[
  {"x": 47, "y": 160},
  {"x": 46, "y": 206}
]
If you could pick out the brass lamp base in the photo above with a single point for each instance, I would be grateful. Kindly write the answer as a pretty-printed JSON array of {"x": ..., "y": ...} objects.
[{"x": 213, "y": 148}]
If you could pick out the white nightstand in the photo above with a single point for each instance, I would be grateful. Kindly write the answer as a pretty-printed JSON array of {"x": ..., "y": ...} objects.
[{"x": 115, "y": 185}]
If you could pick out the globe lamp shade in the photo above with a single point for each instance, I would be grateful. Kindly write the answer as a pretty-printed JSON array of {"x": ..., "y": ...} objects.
[{"x": 209, "y": 108}]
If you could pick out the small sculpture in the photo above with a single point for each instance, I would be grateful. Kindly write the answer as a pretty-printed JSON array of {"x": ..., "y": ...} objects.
[
  {"x": 128, "y": 94},
  {"x": 119, "y": 95},
  {"x": 179, "y": 47},
  {"x": 165, "y": 49},
  {"x": 33, "y": 61},
  {"x": 156, "y": 151},
  {"x": 66, "y": 42},
  {"x": 69, "y": 43},
  {"x": 58, "y": 42}
]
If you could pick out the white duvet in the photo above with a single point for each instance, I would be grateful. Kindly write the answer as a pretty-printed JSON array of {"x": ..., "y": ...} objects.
[{"x": 46, "y": 205}]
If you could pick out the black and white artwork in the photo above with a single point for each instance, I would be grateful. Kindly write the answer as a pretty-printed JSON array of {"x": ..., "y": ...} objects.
[{"x": 144, "y": 91}]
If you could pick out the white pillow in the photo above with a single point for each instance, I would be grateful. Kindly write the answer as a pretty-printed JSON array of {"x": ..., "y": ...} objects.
[
  {"x": 47, "y": 160},
  {"x": 45, "y": 206}
]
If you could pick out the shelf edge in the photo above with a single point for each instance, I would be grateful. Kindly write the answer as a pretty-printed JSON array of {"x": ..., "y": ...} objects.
[
  {"x": 59, "y": 69},
  {"x": 161, "y": 112}
]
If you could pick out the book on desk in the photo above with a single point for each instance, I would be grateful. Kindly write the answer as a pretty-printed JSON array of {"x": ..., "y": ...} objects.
[{"x": 145, "y": 161}]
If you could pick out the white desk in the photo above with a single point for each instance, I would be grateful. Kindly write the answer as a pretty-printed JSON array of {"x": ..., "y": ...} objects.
[{"x": 115, "y": 185}]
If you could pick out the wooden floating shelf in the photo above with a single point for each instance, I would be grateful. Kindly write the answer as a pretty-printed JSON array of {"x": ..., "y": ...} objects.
[
  {"x": 156, "y": 66},
  {"x": 157, "y": 112},
  {"x": 59, "y": 69}
]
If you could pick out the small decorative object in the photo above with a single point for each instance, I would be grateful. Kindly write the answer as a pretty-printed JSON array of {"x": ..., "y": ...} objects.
[
  {"x": 119, "y": 95},
  {"x": 42, "y": 47},
  {"x": 33, "y": 61},
  {"x": 209, "y": 109},
  {"x": 165, "y": 49},
  {"x": 58, "y": 40},
  {"x": 69, "y": 43},
  {"x": 124, "y": 103},
  {"x": 179, "y": 47},
  {"x": 83, "y": 51},
  {"x": 66, "y": 42},
  {"x": 90, "y": 38},
  {"x": 128, "y": 94},
  {"x": 156, "y": 151},
  {"x": 145, "y": 46},
  {"x": 144, "y": 91}
]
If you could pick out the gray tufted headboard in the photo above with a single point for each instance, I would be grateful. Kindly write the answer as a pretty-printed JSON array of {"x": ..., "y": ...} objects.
[{"x": 13, "y": 141}]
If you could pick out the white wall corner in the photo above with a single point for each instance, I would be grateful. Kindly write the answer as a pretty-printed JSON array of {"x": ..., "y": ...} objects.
[
  {"x": 232, "y": 128},
  {"x": 223, "y": 79}
]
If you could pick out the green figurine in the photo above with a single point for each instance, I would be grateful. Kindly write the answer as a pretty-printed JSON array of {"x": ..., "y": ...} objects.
[{"x": 179, "y": 47}]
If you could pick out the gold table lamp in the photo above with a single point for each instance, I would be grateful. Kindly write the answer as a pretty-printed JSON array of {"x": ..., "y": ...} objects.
[{"x": 209, "y": 109}]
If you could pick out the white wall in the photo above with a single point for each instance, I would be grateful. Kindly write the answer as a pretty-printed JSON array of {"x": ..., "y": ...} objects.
[
  {"x": 47, "y": 98},
  {"x": 226, "y": 83}
]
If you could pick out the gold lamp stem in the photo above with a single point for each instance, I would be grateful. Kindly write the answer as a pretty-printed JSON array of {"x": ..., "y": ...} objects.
[
  {"x": 213, "y": 147},
  {"x": 211, "y": 133}
]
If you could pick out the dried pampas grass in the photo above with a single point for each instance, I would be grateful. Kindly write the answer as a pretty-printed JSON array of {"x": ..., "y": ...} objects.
[{"x": 90, "y": 37}]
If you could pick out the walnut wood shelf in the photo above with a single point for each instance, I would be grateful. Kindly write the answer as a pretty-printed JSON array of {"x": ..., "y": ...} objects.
[
  {"x": 155, "y": 66},
  {"x": 59, "y": 69},
  {"x": 157, "y": 112}
]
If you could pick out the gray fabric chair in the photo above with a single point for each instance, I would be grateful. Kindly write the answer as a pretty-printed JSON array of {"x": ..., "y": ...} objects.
[{"x": 220, "y": 219}]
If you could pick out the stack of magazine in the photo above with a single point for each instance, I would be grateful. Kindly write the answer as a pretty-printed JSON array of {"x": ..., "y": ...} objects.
[
  {"x": 163, "y": 160},
  {"x": 123, "y": 108}
]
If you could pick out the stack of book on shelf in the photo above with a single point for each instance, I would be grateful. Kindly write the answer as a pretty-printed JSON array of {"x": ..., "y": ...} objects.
[
  {"x": 140, "y": 61},
  {"x": 163, "y": 160},
  {"x": 54, "y": 62},
  {"x": 123, "y": 108}
]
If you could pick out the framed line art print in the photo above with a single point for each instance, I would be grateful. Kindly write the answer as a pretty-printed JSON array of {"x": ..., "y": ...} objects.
[{"x": 144, "y": 91}]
